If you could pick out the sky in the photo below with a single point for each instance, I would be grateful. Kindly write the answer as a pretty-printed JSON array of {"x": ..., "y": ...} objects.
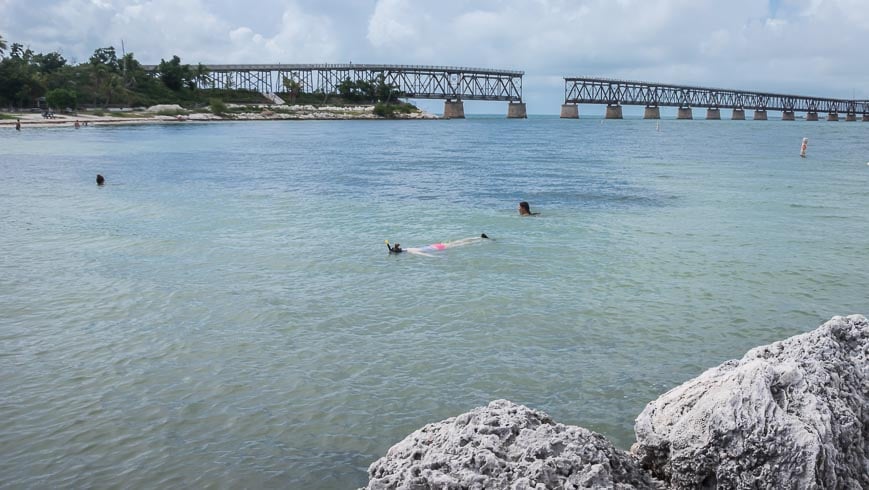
[{"x": 802, "y": 47}]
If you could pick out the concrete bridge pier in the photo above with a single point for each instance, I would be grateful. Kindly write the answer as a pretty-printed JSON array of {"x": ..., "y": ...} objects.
[
  {"x": 760, "y": 115},
  {"x": 652, "y": 112},
  {"x": 713, "y": 114},
  {"x": 684, "y": 113},
  {"x": 569, "y": 111},
  {"x": 454, "y": 109},
  {"x": 613, "y": 111},
  {"x": 811, "y": 116},
  {"x": 851, "y": 117},
  {"x": 516, "y": 110},
  {"x": 833, "y": 116},
  {"x": 865, "y": 117},
  {"x": 738, "y": 115},
  {"x": 788, "y": 116}
]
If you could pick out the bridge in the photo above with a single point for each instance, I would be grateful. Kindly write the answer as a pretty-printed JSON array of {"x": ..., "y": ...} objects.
[
  {"x": 616, "y": 93},
  {"x": 452, "y": 84}
]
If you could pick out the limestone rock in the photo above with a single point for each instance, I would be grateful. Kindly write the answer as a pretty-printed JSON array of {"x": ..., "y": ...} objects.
[
  {"x": 793, "y": 414},
  {"x": 165, "y": 108},
  {"x": 505, "y": 445}
]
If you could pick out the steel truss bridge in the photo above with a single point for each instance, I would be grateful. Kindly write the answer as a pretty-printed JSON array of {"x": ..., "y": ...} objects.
[
  {"x": 621, "y": 92},
  {"x": 417, "y": 82}
]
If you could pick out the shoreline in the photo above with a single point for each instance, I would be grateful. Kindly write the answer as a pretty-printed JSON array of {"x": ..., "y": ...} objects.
[{"x": 286, "y": 113}]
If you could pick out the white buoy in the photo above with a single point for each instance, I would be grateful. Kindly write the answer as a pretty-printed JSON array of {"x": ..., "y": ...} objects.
[{"x": 803, "y": 147}]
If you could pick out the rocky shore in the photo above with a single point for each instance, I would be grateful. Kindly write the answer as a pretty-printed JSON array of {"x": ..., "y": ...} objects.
[
  {"x": 792, "y": 414},
  {"x": 166, "y": 114}
]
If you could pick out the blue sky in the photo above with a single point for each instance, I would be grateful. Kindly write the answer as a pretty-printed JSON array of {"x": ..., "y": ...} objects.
[{"x": 810, "y": 47}]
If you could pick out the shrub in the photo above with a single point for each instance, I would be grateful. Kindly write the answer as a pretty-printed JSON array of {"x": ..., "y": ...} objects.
[
  {"x": 60, "y": 98},
  {"x": 217, "y": 107}
]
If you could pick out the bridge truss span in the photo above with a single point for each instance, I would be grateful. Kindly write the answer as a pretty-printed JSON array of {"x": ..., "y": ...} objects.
[
  {"x": 615, "y": 93},
  {"x": 450, "y": 83}
]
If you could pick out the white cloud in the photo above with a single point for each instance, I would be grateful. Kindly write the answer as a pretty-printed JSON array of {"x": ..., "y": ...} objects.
[
  {"x": 809, "y": 46},
  {"x": 394, "y": 23}
]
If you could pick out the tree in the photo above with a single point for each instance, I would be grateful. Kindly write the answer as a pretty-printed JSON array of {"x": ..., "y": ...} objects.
[
  {"x": 19, "y": 52},
  {"x": 105, "y": 57},
  {"x": 2, "y": 46},
  {"x": 384, "y": 92},
  {"x": 19, "y": 83},
  {"x": 49, "y": 63},
  {"x": 61, "y": 98},
  {"x": 199, "y": 75},
  {"x": 348, "y": 90},
  {"x": 293, "y": 88},
  {"x": 173, "y": 73}
]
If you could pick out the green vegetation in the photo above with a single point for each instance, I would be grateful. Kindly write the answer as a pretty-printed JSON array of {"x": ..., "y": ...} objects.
[
  {"x": 374, "y": 91},
  {"x": 61, "y": 97},
  {"x": 389, "y": 111},
  {"x": 217, "y": 107},
  {"x": 48, "y": 81},
  {"x": 384, "y": 95},
  {"x": 29, "y": 79}
]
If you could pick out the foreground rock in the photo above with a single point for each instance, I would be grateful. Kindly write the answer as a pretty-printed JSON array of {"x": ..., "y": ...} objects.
[
  {"x": 793, "y": 414},
  {"x": 505, "y": 445}
]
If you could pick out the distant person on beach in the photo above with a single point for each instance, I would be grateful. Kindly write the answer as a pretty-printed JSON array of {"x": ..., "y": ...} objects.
[
  {"x": 100, "y": 180},
  {"x": 18, "y": 124},
  {"x": 525, "y": 209},
  {"x": 77, "y": 124}
]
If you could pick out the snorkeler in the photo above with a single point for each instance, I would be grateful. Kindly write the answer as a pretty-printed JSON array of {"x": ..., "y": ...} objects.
[{"x": 434, "y": 247}]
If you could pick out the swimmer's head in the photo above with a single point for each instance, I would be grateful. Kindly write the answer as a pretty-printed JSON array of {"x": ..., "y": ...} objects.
[
  {"x": 524, "y": 208},
  {"x": 484, "y": 236},
  {"x": 396, "y": 247}
]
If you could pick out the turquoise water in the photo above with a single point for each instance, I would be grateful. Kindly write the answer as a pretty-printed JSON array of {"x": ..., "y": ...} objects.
[{"x": 223, "y": 313}]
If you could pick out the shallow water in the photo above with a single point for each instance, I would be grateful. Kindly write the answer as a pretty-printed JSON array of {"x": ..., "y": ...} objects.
[{"x": 223, "y": 313}]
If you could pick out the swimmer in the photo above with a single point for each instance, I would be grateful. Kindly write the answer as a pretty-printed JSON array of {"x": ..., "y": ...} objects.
[
  {"x": 525, "y": 209},
  {"x": 434, "y": 247},
  {"x": 803, "y": 147},
  {"x": 18, "y": 124},
  {"x": 394, "y": 249},
  {"x": 100, "y": 180}
]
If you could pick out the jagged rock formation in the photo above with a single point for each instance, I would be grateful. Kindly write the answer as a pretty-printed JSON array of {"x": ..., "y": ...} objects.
[
  {"x": 792, "y": 414},
  {"x": 505, "y": 445}
]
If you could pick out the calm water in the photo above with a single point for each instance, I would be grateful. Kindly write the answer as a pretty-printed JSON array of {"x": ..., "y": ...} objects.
[{"x": 223, "y": 313}]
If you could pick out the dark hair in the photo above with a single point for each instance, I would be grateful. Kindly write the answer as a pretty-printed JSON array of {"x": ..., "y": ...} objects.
[
  {"x": 525, "y": 206},
  {"x": 100, "y": 179}
]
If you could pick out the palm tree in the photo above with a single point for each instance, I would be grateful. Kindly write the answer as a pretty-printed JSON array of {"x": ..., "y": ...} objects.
[{"x": 200, "y": 75}]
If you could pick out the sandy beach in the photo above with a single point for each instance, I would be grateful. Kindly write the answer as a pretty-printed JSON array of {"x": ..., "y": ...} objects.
[{"x": 150, "y": 116}]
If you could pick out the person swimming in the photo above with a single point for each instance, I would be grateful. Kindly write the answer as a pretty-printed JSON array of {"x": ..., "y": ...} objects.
[
  {"x": 525, "y": 209},
  {"x": 100, "y": 180},
  {"x": 434, "y": 247},
  {"x": 394, "y": 249}
]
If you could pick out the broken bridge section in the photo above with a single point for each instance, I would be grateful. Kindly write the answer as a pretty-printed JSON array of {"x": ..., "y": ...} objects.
[{"x": 617, "y": 93}]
